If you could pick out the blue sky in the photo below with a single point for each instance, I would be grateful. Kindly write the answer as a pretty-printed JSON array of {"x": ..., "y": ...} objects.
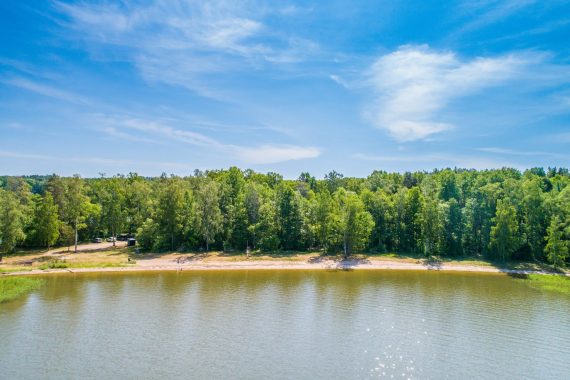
[{"x": 158, "y": 86}]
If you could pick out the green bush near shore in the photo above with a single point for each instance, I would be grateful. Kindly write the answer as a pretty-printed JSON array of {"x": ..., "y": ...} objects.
[
  {"x": 14, "y": 287},
  {"x": 554, "y": 283},
  {"x": 54, "y": 264}
]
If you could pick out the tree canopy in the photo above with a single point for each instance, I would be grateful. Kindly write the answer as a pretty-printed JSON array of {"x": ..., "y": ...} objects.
[{"x": 500, "y": 214}]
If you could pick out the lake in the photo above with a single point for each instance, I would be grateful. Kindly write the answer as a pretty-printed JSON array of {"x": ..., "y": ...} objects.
[{"x": 285, "y": 325}]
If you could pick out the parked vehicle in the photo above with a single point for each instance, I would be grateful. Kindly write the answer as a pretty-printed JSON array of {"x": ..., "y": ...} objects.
[
  {"x": 97, "y": 240},
  {"x": 111, "y": 239}
]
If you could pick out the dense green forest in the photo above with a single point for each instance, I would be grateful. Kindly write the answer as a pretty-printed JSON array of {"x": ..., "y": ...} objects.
[{"x": 498, "y": 214}]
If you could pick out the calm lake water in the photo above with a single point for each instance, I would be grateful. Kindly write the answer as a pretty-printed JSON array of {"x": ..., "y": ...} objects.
[{"x": 285, "y": 325}]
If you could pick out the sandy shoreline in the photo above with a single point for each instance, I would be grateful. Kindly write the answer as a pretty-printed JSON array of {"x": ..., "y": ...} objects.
[{"x": 170, "y": 265}]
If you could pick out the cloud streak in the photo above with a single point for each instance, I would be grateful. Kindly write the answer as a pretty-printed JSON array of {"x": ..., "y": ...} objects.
[{"x": 155, "y": 131}]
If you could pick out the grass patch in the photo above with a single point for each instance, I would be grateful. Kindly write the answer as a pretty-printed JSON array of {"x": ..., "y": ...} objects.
[
  {"x": 15, "y": 269},
  {"x": 79, "y": 265},
  {"x": 54, "y": 264},
  {"x": 14, "y": 287},
  {"x": 549, "y": 282}
]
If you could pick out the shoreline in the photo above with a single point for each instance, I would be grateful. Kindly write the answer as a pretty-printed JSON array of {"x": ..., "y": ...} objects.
[{"x": 157, "y": 265}]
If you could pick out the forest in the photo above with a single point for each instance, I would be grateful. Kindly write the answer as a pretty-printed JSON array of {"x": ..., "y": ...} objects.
[{"x": 501, "y": 214}]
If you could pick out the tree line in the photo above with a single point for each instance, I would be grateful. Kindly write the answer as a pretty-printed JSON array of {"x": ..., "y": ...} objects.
[{"x": 500, "y": 214}]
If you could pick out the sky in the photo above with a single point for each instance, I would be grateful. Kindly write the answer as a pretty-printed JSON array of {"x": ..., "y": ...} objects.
[{"x": 155, "y": 86}]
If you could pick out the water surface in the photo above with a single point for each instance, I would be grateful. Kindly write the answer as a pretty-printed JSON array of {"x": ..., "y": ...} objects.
[{"x": 285, "y": 325}]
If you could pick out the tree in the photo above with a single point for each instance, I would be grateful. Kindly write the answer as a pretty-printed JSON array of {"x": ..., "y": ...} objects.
[
  {"x": 414, "y": 204},
  {"x": 290, "y": 217},
  {"x": 46, "y": 221},
  {"x": 138, "y": 198},
  {"x": 380, "y": 206},
  {"x": 77, "y": 205},
  {"x": 322, "y": 221},
  {"x": 11, "y": 222},
  {"x": 353, "y": 223},
  {"x": 112, "y": 200},
  {"x": 533, "y": 217},
  {"x": 556, "y": 248},
  {"x": 504, "y": 233},
  {"x": 209, "y": 216},
  {"x": 452, "y": 228},
  {"x": 252, "y": 203},
  {"x": 266, "y": 229},
  {"x": 169, "y": 216},
  {"x": 432, "y": 226}
]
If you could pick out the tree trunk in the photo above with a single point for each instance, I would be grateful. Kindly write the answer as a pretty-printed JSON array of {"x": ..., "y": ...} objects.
[
  {"x": 207, "y": 245},
  {"x": 76, "y": 236},
  {"x": 114, "y": 238}
]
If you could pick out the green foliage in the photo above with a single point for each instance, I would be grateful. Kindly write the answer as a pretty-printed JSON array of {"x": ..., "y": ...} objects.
[
  {"x": 54, "y": 264},
  {"x": 208, "y": 213},
  {"x": 556, "y": 248},
  {"x": 504, "y": 233},
  {"x": 502, "y": 214},
  {"x": 11, "y": 222},
  {"x": 351, "y": 223},
  {"x": 14, "y": 287},
  {"x": 45, "y": 224}
]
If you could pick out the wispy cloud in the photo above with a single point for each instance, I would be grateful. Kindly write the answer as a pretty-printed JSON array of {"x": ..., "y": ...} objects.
[
  {"x": 270, "y": 154},
  {"x": 527, "y": 153},
  {"x": 488, "y": 12},
  {"x": 255, "y": 154},
  {"x": 45, "y": 90},
  {"x": 414, "y": 84},
  {"x": 92, "y": 160},
  {"x": 438, "y": 160},
  {"x": 188, "y": 43}
]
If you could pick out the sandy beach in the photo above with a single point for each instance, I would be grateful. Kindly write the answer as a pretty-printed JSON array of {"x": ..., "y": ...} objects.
[{"x": 169, "y": 264}]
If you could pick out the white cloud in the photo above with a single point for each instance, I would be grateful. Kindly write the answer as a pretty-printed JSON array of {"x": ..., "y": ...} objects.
[
  {"x": 271, "y": 154},
  {"x": 414, "y": 84}
]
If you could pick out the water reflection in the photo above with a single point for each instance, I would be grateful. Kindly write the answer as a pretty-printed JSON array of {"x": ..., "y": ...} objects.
[{"x": 286, "y": 324}]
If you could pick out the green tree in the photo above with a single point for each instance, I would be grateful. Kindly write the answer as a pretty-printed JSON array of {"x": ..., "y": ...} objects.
[
  {"x": 556, "y": 248},
  {"x": 533, "y": 219},
  {"x": 169, "y": 211},
  {"x": 353, "y": 223},
  {"x": 380, "y": 206},
  {"x": 77, "y": 206},
  {"x": 209, "y": 216},
  {"x": 138, "y": 198},
  {"x": 252, "y": 202},
  {"x": 46, "y": 221},
  {"x": 112, "y": 200},
  {"x": 322, "y": 215},
  {"x": 432, "y": 226},
  {"x": 290, "y": 217},
  {"x": 266, "y": 229},
  {"x": 504, "y": 233},
  {"x": 11, "y": 222},
  {"x": 414, "y": 204}
]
